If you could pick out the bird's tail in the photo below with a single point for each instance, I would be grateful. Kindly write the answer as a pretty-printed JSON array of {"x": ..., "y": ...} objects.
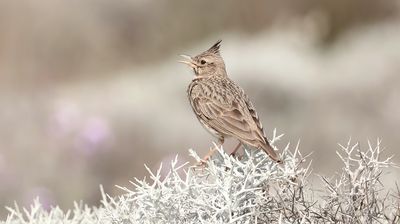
[{"x": 271, "y": 152}]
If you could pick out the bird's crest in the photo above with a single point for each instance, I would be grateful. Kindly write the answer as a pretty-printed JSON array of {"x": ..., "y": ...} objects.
[{"x": 215, "y": 48}]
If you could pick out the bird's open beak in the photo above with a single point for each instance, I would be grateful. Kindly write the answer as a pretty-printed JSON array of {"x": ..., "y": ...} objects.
[{"x": 189, "y": 61}]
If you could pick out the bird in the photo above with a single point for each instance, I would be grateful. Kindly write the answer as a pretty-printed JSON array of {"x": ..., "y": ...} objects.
[{"x": 222, "y": 106}]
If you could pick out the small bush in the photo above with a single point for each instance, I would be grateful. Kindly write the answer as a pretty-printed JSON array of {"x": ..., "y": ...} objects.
[{"x": 252, "y": 189}]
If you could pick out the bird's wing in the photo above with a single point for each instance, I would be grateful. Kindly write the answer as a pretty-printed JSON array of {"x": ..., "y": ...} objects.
[
  {"x": 233, "y": 119},
  {"x": 237, "y": 119}
]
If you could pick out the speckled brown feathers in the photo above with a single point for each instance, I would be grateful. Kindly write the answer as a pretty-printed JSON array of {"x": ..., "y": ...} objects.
[{"x": 221, "y": 106}]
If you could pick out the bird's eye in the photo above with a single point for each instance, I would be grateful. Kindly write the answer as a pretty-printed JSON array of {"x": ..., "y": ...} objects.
[{"x": 203, "y": 62}]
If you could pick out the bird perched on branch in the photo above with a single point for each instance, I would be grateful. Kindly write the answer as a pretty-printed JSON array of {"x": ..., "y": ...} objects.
[{"x": 221, "y": 106}]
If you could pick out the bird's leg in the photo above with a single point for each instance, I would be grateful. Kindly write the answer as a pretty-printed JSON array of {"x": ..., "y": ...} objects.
[
  {"x": 221, "y": 141},
  {"x": 236, "y": 148},
  {"x": 212, "y": 151}
]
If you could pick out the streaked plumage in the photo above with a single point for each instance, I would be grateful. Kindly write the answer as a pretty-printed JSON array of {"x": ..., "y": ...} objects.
[{"x": 221, "y": 106}]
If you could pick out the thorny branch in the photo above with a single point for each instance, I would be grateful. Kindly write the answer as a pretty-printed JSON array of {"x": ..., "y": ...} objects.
[{"x": 252, "y": 189}]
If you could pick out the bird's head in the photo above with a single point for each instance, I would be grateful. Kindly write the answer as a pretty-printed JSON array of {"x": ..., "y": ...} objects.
[{"x": 208, "y": 63}]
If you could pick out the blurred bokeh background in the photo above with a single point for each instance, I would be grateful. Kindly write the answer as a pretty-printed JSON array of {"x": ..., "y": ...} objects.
[{"x": 91, "y": 90}]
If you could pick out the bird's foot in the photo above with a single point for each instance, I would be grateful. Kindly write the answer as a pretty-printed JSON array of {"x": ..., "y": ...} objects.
[
  {"x": 203, "y": 162},
  {"x": 233, "y": 153}
]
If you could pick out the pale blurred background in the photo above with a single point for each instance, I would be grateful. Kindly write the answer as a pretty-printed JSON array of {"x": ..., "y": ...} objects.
[{"x": 91, "y": 90}]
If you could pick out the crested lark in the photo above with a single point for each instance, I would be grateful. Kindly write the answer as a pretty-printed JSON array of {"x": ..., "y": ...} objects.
[{"x": 221, "y": 105}]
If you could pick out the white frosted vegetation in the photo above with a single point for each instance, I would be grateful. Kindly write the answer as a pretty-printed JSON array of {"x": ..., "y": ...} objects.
[{"x": 249, "y": 189}]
